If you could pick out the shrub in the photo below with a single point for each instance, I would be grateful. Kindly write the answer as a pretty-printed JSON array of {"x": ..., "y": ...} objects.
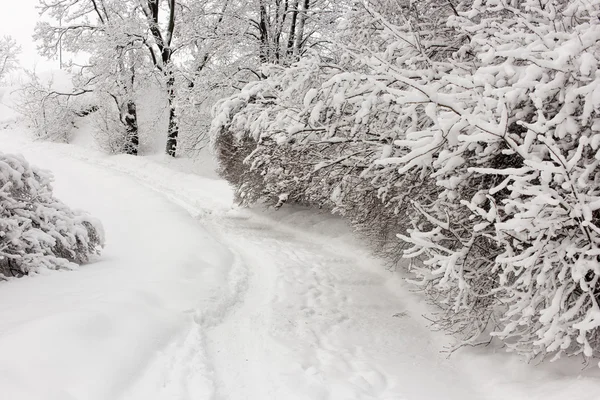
[{"x": 37, "y": 231}]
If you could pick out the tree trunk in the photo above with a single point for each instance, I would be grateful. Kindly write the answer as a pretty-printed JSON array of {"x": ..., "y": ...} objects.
[
  {"x": 292, "y": 32},
  {"x": 163, "y": 42},
  {"x": 264, "y": 53},
  {"x": 300, "y": 32},
  {"x": 173, "y": 132},
  {"x": 133, "y": 139},
  {"x": 281, "y": 10}
]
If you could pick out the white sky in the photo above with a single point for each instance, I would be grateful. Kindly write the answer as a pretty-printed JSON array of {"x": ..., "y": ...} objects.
[{"x": 18, "y": 18}]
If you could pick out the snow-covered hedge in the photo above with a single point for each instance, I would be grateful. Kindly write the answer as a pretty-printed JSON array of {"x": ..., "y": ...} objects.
[
  {"x": 470, "y": 130},
  {"x": 37, "y": 231}
]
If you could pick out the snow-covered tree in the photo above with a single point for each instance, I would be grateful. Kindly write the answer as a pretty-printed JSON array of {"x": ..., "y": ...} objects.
[
  {"x": 37, "y": 231},
  {"x": 211, "y": 56},
  {"x": 282, "y": 31},
  {"x": 231, "y": 44},
  {"x": 51, "y": 105},
  {"x": 9, "y": 51},
  {"x": 131, "y": 43},
  {"x": 195, "y": 50},
  {"x": 106, "y": 31}
]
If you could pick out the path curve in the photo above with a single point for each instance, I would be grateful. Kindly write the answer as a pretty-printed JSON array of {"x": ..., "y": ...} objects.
[{"x": 195, "y": 300}]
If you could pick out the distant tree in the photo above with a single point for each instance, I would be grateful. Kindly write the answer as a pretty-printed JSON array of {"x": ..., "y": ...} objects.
[
  {"x": 9, "y": 51},
  {"x": 282, "y": 31},
  {"x": 51, "y": 106},
  {"x": 101, "y": 29},
  {"x": 197, "y": 50}
]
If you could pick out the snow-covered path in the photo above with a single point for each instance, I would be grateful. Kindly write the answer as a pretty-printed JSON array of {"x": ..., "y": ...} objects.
[
  {"x": 324, "y": 326},
  {"x": 195, "y": 300},
  {"x": 218, "y": 306}
]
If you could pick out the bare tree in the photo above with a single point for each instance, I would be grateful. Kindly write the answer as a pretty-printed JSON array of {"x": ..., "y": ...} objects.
[
  {"x": 284, "y": 29},
  {"x": 9, "y": 51}
]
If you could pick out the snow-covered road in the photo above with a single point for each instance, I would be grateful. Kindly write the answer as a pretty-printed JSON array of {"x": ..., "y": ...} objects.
[{"x": 195, "y": 300}]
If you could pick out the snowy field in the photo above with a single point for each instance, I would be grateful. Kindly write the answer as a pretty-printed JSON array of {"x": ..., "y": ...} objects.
[{"x": 195, "y": 299}]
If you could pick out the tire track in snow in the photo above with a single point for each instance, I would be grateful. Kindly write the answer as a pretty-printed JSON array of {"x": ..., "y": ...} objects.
[
  {"x": 184, "y": 369},
  {"x": 327, "y": 317}
]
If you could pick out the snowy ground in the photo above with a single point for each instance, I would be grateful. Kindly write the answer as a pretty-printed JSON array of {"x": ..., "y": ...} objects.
[{"x": 193, "y": 299}]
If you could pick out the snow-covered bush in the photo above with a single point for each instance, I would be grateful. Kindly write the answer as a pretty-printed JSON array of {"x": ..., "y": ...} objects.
[
  {"x": 539, "y": 87},
  {"x": 37, "y": 231},
  {"x": 513, "y": 148},
  {"x": 471, "y": 131},
  {"x": 50, "y": 116},
  {"x": 109, "y": 133},
  {"x": 51, "y": 105}
]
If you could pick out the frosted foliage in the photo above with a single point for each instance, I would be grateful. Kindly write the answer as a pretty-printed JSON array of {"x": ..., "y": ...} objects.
[
  {"x": 37, "y": 231},
  {"x": 9, "y": 52},
  {"x": 51, "y": 115},
  {"x": 540, "y": 86},
  {"x": 469, "y": 129}
]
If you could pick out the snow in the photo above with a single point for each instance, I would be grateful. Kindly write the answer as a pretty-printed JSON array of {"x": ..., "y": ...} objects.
[
  {"x": 195, "y": 299},
  {"x": 7, "y": 111},
  {"x": 57, "y": 79}
]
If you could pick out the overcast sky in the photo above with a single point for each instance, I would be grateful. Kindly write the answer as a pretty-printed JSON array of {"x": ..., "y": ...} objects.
[{"x": 18, "y": 20}]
